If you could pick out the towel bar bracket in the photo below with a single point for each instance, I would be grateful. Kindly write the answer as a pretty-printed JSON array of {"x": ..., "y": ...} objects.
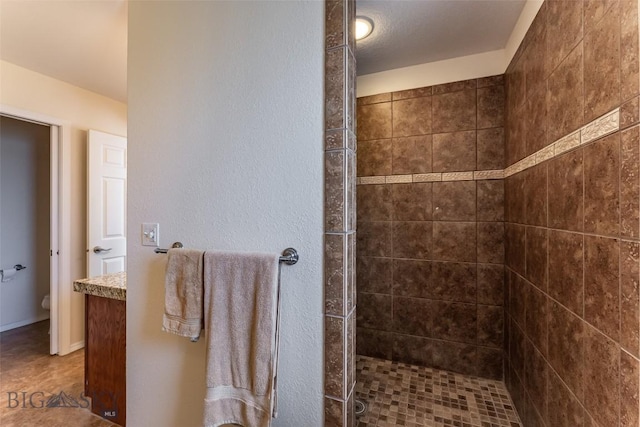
[{"x": 289, "y": 255}]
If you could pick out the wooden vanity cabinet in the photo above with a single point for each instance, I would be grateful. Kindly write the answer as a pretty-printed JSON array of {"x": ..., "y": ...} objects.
[{"x": 105, "y": 357}]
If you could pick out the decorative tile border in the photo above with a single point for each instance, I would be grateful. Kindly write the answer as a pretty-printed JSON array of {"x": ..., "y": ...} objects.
[
  {"x": 371, "y": 180},
  {"x": 491, "y": 174},
  {"x": 598, "y": 128},
  {"x": 567, "y": 143},
  {"x": 431, "y": 177},
  {"x": 457, "y": 176},
  {"x": 398, "y": 179},
  {"x": 427, "y": 177},
  {"x": 546, "y": 153}
]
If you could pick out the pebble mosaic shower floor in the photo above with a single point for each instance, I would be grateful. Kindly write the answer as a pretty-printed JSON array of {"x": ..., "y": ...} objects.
[{"x": 397, "y": 394}]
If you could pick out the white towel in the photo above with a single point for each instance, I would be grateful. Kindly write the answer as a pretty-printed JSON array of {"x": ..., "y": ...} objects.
[
  {"x": 183, "y": 293},
  {"x": 241, "y": 326}
]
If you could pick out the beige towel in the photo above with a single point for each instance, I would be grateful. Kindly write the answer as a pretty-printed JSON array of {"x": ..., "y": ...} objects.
[
  {"x": 241, "y": 317},
  {"x": 183, "y": 293}
]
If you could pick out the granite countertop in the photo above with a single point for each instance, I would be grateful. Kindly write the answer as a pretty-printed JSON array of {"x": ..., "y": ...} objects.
[{"x": 112, "y": 286}]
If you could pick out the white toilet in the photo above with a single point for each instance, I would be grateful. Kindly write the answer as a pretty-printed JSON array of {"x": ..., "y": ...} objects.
[{"x": 46, "y": 304}]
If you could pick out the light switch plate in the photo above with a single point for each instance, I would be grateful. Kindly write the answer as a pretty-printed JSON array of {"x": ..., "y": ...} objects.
[{"x": 150, "y": 234}]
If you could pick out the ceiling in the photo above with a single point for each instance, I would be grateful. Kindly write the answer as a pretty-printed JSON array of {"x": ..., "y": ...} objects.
[
  {"x": 77, "y": 41},
  {"x": 416, "y": 32},
  {"x": 84, "y": 42}
]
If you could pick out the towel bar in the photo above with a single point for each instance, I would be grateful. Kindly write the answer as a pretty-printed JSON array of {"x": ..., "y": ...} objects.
[
  {"x": 289, "y": 255},
  {"x": 176, "y": 245}
]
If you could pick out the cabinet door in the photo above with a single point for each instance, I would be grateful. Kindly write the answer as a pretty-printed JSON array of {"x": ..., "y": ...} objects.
[{"x": 105, "y": 349}]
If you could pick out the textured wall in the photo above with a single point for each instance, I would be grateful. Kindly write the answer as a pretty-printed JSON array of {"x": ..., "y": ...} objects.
[
  {"x": 430, "y": 226},
  {"x": 225, "y": 152},
  {"x": 572, "y": 198}
]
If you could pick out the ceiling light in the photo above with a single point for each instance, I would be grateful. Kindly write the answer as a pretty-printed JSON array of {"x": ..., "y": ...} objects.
[{"x": 364, "y": 27}]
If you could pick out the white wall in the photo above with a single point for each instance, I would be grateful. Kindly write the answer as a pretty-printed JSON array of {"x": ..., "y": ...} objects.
[
  {"x": 26, "y": 90},
  {"x": 433, "y": 73},
  {"x": 225, "y": 152},
  {"x": 24, "y": 220}
]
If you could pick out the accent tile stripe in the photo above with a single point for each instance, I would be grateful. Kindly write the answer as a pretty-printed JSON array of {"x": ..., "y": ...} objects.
[
  {"x": 457, "y": 176},
  {"x": 546, "y": 153},
  {"x": 371, "y": 180},
  {"x": 427, "y": 177},
  {"x": 492, "y": 174},
  {"x": 598, "y": 128},
  {"x": 398, "y": 179},
  {"x": 566, "y": 143}
]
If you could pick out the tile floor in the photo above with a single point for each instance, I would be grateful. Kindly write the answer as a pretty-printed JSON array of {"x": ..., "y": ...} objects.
[
  {"x": 398, "y": 394},
  {"x": 29, "y": 377}
]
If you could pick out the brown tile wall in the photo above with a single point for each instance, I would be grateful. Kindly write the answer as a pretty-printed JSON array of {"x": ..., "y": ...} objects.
[
  {"x": 430, "y": 254},
  {"x": 572, "y": 222},
  {"x": 339, "y": 208}
]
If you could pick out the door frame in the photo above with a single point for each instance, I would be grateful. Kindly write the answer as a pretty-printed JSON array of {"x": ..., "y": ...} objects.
[{"x": 60, "y": 275}]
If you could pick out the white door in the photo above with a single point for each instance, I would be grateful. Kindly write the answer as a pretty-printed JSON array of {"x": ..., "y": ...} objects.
[
  {"x": 54, "y": 244},
  {"x": 107, "y": 195}
]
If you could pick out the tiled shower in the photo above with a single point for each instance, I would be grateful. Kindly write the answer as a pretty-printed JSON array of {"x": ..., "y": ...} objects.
[
  {"x": 430, "y": 248},
  {"x": 498, "y": 221},
  {"x": 572, "y": 217}
]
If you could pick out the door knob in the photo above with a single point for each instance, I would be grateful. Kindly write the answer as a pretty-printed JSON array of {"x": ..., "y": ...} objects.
[{"x": 99, "y": 249}]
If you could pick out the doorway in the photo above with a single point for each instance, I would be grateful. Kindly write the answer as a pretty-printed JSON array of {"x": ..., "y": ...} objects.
[
  {"x": 25, "y": 222},
  {"x": 60, "y": 285}
]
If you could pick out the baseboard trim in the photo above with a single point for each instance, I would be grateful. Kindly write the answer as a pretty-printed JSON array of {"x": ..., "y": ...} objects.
[
  {"x": 25, "y": 322},
  {"x": 76, "y": 346}
]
